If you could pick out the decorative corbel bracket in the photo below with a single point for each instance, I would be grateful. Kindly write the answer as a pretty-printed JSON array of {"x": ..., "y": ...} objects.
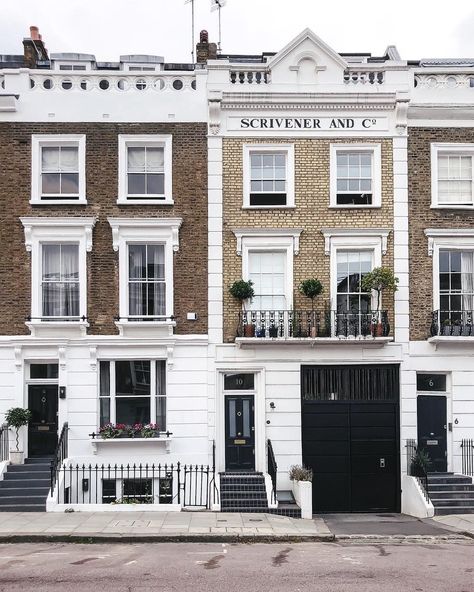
[
  {"x": 18, "y": 357},
  {"x": 62, "y": 357},
  {"x": 170, "y": 357},
  {"x": 93, "y": 357},
  {"x": 401, "y": 114},
  {"x": 215, "y": 104}
]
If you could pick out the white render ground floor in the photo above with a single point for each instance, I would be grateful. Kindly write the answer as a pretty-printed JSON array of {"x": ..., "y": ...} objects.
[{"x": 220, "y": 407}]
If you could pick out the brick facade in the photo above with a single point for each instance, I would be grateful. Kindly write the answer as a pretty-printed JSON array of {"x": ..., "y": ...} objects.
[
  {"x": 311, "y": 213},
  {"x": 190, "y": 197},
  {"x": 421, "y": 216}
]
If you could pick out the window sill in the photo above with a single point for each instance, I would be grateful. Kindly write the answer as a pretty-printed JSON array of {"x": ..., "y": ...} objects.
[
  {"x": 452, "y": 207},
  {"x": 144, "y": 328},
  {"x": 57, "y": 328},
  {"x": 145, "y": 202},
  {"x": 354, "y": 207},
  {"x": 166, "y": 441},
  {"x": 58, "y": 202},
  {"x": 291, "y": 207}
]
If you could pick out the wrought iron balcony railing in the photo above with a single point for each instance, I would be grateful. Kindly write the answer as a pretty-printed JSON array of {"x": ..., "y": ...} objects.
[
  {"x": 297, "y": 324},
  {"x": 452, "y": 323}
]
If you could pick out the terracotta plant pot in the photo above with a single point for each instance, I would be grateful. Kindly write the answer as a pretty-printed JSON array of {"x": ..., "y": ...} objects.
[
  {"x": 314, "y": 332},
  {"x": 249, "y": 330}
]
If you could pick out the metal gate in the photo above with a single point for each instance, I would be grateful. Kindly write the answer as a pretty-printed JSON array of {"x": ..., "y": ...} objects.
[{"x": 350, "y": 436}]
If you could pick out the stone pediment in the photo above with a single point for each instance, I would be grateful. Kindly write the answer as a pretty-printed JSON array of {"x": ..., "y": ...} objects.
[{"x": 307, "y": 60}]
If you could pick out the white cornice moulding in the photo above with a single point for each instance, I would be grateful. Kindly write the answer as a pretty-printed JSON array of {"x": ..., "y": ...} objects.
[
  {"x": 330, "y": 233},
  {"x": 293, "y": 233},
  {"x": 138, "y": 227},
  {"x": 66, "y": 225},
  {"x": 336, "y": 101},
  {"x": 448, "y": 234}
]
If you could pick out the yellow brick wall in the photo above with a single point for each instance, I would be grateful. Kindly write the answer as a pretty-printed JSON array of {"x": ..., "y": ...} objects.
[{"x": 311, "y": 213}]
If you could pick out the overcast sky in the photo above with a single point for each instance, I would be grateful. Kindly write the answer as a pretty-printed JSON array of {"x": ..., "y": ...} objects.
[{"x": 108, "y": 28}]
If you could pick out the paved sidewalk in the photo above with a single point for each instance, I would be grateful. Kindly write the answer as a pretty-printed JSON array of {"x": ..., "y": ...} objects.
[
  {"x": 147, "y": 526},
  {"x": 461, "y": 522}
]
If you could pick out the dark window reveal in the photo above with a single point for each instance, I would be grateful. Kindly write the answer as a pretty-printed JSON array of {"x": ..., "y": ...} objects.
[
  {"x": 350, "y": 383},
  {"x": 354, "y": 199},
  {"x": 138, "y": 490},
  {"x": 108, "y": 491},
  {"x": 239, "y": 382},
  {"x": 43, "y": 371},
  {"x": 268, "y": 199},
  {"x": 431, "y": 382}
]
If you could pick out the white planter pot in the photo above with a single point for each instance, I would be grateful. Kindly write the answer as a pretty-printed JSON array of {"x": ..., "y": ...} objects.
[
  {"x": 303, "y": 492},
  {"x": 17, "y": 458}
]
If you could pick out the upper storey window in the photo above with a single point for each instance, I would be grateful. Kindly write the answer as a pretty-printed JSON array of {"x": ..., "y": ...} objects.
[
  {"x": 58, "y": 169},
  {"x": 145, "y": 169},
  {"x": 355, "y": 175},
  {"x": 269, "y": 176},
  {"x": 452, "y": 175}
]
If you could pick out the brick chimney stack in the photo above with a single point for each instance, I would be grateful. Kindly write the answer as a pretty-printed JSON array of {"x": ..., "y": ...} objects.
[
  {"x": 34, "y": 49},
  {"x": 204, "y": 50}
]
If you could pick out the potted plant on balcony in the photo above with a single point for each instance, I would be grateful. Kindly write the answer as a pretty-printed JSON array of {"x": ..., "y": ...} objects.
[
  {"x": 311, "y": 288},
  {"x": 242, "y": 291},
  {"x": 16, "y": 418},
  {"x": 380, "y": 279}
]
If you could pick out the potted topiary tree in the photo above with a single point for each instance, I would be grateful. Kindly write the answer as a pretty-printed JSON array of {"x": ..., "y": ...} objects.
[
  {"x": 16, "y": 418},
  {"x": 242, "y": 291},
  {"x": 380, "y": 279},
  {"x": 311, "y": 288}
]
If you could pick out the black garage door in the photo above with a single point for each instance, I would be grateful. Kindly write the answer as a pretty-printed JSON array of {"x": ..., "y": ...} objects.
[{"x": 350, "y": 435}]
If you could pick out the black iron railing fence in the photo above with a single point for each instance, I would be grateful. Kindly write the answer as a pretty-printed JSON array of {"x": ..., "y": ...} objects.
[
  {"x": 467, "y": 457},
  {"x": 452, "y": 323},
  {"x": 4, "y": 443},
  {"x": 186, "y": 485},
  {"x": 284, "y": 324},
  {"x": 272, "y": 469},
  {"x": 60, "y": 454},
  {"x": 415, "y": 467}
]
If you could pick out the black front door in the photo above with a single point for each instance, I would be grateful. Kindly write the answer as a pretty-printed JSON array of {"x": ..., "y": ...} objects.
[
  {"x": 43, "y": 426},
  {"x": 239, "y": 433},
  {"x": 431, "y": 413}
]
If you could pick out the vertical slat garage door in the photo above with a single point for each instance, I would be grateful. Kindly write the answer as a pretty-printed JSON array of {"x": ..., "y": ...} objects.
[{"x": 350, "y": 435}]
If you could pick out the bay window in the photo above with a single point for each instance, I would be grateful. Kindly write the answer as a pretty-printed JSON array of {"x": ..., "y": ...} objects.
[{"x": 132, "y": 392}]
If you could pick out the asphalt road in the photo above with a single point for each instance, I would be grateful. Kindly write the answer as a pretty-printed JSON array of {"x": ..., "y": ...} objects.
[{"x": 162, "y": 567}]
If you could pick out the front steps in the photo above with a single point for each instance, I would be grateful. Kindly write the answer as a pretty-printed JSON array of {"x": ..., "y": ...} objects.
[
  {"x": 246, "y": 492},
  {"x": 451, "y": 493},
  {"x": 25, "y": 487}
]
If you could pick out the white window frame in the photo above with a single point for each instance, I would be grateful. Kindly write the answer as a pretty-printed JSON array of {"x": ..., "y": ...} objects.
[
  {"x": 376, "y": 150},
  {"x": 126, "y": 231},
  {"x": 277, "y": 241},
  {"x": 38, "y": 141},
  {"x": 458, "y": 149},
  {"x": 112, "y": 397},
  {"x": 154, "y": 141},
  {"x": 454, "y": 239},
  {"x": 340, "y": 239},
  {"x": 40, "y": 231},
  {"x": 289, "y": 150}
]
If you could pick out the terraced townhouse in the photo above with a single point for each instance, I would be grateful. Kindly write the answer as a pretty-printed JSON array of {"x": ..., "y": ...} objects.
[{"x": 136, "y": 194}]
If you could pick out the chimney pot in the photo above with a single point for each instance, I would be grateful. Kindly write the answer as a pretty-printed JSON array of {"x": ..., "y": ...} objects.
[{"x": 34, "y": 33}]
